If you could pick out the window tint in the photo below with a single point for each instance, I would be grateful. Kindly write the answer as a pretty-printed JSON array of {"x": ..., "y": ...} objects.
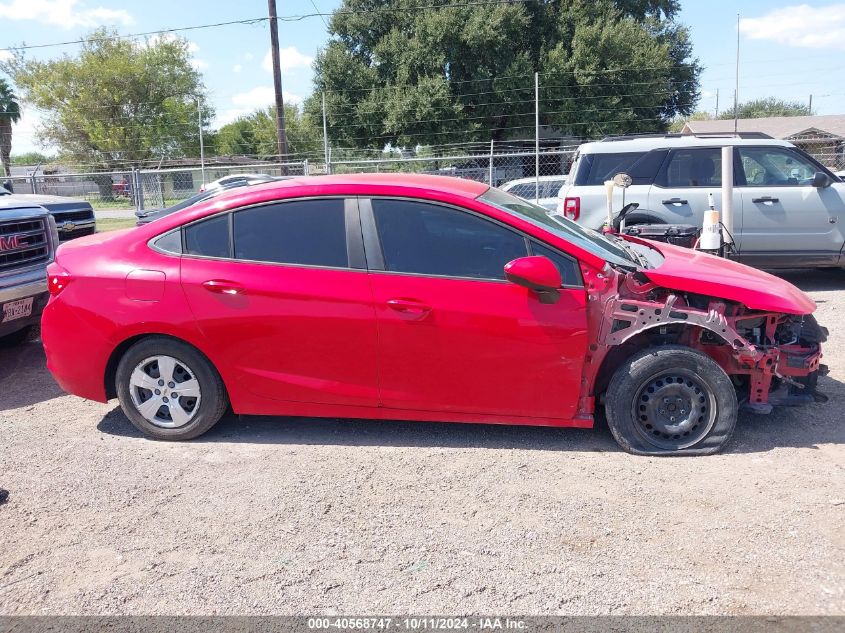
[
  {"x": 774, "y": 166},
  {"x": 552, "y": 188},
  {"x": 525, "y": 190},
  {"x": 307, "y": 232},
  {"x": 170, "y": 242},
  {"x": 594, "y": 169},
  {"x": 695, "y": 168},
  {"x": 429, "y": 239},
  {"x": 209, "y": 238},
  {"x": 644, "y": 171},
  {"x": 566, "y": 265}
]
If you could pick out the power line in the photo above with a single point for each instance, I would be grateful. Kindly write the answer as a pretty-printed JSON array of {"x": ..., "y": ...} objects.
[{"x": 257, "y": 20}]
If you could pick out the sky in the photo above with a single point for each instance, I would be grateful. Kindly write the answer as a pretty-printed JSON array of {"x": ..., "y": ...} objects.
[{"x": 787, "y": 49}]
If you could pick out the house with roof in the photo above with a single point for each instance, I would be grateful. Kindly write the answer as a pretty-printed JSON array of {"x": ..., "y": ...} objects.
[{"x": 822, "y": 136}]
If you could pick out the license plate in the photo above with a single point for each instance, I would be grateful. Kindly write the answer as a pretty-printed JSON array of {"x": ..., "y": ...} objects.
[{"x": 17, "y": 309}]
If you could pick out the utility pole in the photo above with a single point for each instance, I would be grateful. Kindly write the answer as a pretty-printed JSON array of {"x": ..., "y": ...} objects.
[
  {"x": 736, "y": 89},
  {"x": 281, "y": 136},
  {"x": 717, "y": 103},
  {"x": 810, "y": 106},
  {"x": 202, "y": 145}
]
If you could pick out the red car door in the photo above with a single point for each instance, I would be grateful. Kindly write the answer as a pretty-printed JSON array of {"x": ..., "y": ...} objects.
[
  {"x": 281, "y": 294},
  {"x": 453, "y": 335}
]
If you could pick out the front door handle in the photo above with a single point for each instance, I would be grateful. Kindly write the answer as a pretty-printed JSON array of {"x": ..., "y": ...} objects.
[
  {"x": 765, "y": 199},
  {"x": 409, "y": 307},
  {"x": 223, "y": 287},
  {"x": 675, "y": 201}
]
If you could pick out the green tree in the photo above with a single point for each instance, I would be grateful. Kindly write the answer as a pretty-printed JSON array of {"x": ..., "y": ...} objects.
[
  {"x": 32, "y": 158},
  {"x": 10, "y": 112},
  {"x": 255, "y": 134},
  {"x": 770, "y": 106},
  {"x": 466, "y": 72},
  {"x": 118, "y": 103}
]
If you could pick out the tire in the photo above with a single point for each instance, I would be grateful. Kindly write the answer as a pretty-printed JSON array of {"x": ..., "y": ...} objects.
[
  {"x": 15, "y": 338},
  {"x": 671, "y": 400},
  {"x": 167, "y": 366}
]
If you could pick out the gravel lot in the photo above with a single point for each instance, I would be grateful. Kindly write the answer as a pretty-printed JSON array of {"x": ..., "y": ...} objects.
[{"x": 304, "y": 516}]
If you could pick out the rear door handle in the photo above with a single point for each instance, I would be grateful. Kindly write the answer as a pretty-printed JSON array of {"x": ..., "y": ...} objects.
[
  {"x": 764, "y": 199},
  {"x": 223, "y": 287},
  {"x": 409, "y": 307},
  {"x": 675, "y": 201}
]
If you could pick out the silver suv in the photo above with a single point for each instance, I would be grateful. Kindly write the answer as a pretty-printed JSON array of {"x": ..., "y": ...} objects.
[
  {"x": 28, "y": 242},
  {"x": 788, "y": 209}
]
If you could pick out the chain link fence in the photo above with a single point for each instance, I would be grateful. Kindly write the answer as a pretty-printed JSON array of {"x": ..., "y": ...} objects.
[
  {"x": 494, "y": 168},
  {"x": 157, "y": 188},
  {"x": 828, "y": 150}
]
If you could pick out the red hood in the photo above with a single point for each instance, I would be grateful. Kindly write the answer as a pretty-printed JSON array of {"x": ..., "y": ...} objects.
[{"x": 694, "y": 271}]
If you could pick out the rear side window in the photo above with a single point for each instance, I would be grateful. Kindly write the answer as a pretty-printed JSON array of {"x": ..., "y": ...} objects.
[
  {"x": 594, "y": 169},
  {"x": 697, "y": 167},
  {"x": 209, "y": 238},
  {"x": 305, "y": 232},
  {"x": 429, "y": 239}
]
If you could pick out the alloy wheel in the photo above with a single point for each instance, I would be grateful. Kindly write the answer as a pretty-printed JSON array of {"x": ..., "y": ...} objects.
[{"x": 165, "y": 391}]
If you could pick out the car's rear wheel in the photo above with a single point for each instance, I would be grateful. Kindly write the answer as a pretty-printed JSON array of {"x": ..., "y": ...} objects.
[
  {"x": 168, "y": 390},
  {"x": 671, "y": 400}
]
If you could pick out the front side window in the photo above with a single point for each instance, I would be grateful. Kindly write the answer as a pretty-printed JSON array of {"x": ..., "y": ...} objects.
[
  {"x": 567, "y": 266},
  {"x": 775, "y": 166},
  {"x": 429, "y": 239},
  {"x": 304, "y": 232},
  {"x": 697, "y": 167}
]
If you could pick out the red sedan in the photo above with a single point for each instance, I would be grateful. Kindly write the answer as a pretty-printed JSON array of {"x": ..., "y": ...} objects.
[{"x": 421, "y": 298}]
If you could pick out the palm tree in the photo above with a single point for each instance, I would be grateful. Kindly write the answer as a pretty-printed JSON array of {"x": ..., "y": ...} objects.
[{"x": 10, "y": 112}]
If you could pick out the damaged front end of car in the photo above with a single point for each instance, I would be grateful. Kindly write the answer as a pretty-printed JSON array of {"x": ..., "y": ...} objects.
[{"x": 772, "y": 358}]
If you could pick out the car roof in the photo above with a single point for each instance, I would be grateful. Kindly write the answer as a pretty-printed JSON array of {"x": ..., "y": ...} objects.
[
  {"x": 688, "y": 140},
  {"x": 366, "y": 183}
]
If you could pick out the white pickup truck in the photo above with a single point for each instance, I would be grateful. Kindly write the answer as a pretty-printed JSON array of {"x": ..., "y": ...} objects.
[{"x": 28, "y": 242}]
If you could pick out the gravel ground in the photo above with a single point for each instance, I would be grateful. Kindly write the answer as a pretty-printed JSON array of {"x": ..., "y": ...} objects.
[{"x": 303, "y": 516}]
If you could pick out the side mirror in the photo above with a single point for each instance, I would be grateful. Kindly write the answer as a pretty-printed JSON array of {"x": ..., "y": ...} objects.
[
  {"x": 821, "y": 180},
  {"x": 538, "y": 274}
]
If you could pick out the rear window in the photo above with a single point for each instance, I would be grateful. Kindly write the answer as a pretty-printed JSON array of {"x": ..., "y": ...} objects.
[{"x": 594, "y": 169}]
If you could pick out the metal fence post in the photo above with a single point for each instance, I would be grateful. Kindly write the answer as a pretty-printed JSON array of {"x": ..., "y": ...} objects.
[
  {"x": 305, "y": 168},
  {"x": 138, "y": 188},
  {"x": 33, "y": 183},
  {"x": 536, "y": 137},
  {"x": 490, "y": 175}
]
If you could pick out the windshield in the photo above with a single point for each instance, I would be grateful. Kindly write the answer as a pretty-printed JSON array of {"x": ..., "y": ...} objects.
[{"x": 585, "y": 238}]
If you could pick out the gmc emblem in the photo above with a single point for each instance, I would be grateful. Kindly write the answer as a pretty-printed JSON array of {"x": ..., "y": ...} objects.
[{"x": 10, "y": 242}]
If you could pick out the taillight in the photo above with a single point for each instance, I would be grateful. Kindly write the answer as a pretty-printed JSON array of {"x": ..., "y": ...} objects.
[
  {"x": 572, "y": 208},
  {"x": 57, "y": 279}
]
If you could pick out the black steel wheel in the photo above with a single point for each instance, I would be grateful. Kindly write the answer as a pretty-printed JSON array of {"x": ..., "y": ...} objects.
[{"x": 671, "y": 400}]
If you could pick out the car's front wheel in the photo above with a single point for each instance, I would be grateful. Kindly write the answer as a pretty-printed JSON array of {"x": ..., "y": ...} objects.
[
  {"x": 168, "y": 390},
  {"x": 671, "y": 400}
]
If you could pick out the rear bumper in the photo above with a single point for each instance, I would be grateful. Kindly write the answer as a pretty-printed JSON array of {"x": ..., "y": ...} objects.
[{"x": 32, "y": 284}]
